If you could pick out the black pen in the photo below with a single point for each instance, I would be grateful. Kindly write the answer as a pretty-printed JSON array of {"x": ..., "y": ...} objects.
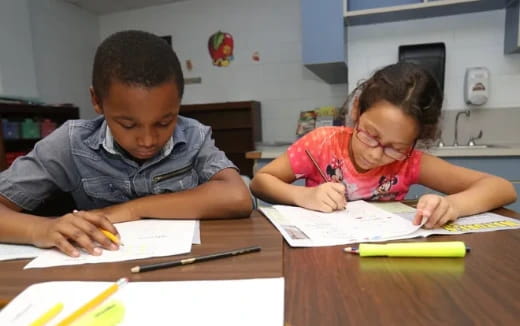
[{"x": 186, "y": 261}]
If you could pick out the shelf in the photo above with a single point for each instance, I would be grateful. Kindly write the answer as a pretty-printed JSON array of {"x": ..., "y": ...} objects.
[{"x": 421, "y": 9}]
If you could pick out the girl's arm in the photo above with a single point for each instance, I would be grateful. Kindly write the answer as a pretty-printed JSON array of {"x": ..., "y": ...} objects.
[
  {"x": 272, "y": 183},
  {"x": 468, "y": 191}
]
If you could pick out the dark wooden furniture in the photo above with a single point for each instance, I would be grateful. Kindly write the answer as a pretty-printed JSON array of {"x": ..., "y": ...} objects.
[
  {"x": 325, "y": 286},
  {"x": 19, "y": 112},
  {"x": 236, "y": 127},
  {"x": 216, "y": 236}
]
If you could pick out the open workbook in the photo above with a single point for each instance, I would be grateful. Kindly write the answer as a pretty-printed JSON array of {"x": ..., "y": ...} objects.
[{"x": 369, "y": 222}]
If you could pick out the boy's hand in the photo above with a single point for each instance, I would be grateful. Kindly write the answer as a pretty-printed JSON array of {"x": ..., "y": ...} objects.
[
  {"x": 80, "y": 228},
  {"x": 327, "y": 197},
  {"x": 437, "y": 210}
]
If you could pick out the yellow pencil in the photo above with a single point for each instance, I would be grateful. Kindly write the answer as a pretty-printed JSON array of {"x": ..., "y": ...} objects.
[
  {"x": 108, "y": 234},
  {"x": 48, "y": 315},
  {"x": 112, "y": 237},
  {"x": 93, "y": 303}
]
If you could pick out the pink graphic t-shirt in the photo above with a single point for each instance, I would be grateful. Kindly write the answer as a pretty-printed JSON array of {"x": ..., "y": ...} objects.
[{"x": 329, "y": 147}]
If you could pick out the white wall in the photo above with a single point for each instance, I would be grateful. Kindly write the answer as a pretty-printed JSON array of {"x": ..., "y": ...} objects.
[
  {"x": 46, "y": 51},
  {"x": 475, "y": 39},
  {"x": 64, "y": 38},
  {"x": 271, "y": 27},
  {"x": 17, "y": 74}
]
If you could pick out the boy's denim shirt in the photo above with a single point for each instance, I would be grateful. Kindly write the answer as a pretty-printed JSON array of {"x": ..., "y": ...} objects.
[{"x": 75, "y": 159}]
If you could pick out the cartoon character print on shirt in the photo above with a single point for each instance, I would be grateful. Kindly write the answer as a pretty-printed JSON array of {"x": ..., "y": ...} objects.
[
  {"x": 382, "y": 192},
  {"x": 335, "y": 173}
]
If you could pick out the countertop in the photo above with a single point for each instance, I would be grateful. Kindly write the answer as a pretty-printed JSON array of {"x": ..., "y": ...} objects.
[{"x": 273, "y": 151}]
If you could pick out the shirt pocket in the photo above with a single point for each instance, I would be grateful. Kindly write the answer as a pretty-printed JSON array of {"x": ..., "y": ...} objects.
[
  {"x": 175, "y": 180},
  {"x": 107, "y": 189}
]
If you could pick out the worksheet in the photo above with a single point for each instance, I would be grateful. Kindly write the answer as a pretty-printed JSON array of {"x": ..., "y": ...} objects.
[
  {"x": 14, "y": 251},
  {"x": 251, "y": 302},
  {"x": 359, "y": 222},
  {"x": 141, "y": 239}
]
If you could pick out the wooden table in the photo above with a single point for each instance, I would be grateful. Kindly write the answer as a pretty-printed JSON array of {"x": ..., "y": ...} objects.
[
  {"x": 324, "y": 286},
  {"x": 216, "y": 235}
]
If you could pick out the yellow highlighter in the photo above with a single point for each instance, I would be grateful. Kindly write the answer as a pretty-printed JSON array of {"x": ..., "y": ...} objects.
[
  {"x": 412, "y": 249},
  {"x": 110, "y": 314}
]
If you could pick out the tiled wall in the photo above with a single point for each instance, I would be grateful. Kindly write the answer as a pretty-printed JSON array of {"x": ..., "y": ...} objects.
[
  {"x": 471, "y": 40},
  {"x": 475, "y": 39}
]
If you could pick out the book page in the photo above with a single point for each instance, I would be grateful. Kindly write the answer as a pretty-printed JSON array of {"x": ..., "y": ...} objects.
[
  {"x": 483, "y": 222},
  {"x": 359, "y": 222}
]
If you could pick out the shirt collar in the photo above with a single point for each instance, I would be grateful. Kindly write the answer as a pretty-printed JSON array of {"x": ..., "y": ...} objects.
[
  {"x": 110, "y": 146},
  {"x": 104, "y": 138}
]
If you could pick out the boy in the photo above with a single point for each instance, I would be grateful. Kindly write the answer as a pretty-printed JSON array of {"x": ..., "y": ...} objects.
[{"x": 139, "y": 159}]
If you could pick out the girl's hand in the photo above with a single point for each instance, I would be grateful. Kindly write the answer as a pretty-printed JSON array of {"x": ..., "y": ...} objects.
[
  {"x": 79, "y": 228},
  {"x": 437, "y": 210},
  {"x": 326, "y": 197}
]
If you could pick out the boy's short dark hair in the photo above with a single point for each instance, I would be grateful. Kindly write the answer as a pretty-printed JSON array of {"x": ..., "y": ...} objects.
[{"x": 135, "y": 58}]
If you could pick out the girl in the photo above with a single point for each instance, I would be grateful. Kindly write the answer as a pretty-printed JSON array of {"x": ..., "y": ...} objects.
[{"x": 377, "y": 160}]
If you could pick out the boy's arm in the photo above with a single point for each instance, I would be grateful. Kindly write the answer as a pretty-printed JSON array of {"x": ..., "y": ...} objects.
[
  {"x": 468, "y": 191},
  {"x": 225, "y": 195},
  {"x": 81, "y": 228}
]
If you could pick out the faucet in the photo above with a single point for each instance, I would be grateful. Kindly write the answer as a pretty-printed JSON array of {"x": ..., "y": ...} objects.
[
  {"x": 456, "y": 138},
  {"x": 471, "y": 141}
]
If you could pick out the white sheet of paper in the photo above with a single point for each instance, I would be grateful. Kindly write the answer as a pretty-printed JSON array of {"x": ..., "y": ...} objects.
[
  {"x": 196, "y": 233},
  {"x": 13, "y": 251},
  {"x": 360, "y": 222},
  {"x": 251, "y": 302},
  {"x": 142, "y": 239}
]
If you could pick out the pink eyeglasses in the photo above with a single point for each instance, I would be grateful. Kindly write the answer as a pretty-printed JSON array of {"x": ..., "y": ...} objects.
[{"x": 388, "y": 150}]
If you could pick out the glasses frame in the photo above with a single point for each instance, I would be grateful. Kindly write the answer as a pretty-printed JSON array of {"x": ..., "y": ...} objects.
[{"x": 377, "y": 143}]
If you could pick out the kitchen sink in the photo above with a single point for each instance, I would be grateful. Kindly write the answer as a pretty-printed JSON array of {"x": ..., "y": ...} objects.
[{"x": 447, "y": 147}]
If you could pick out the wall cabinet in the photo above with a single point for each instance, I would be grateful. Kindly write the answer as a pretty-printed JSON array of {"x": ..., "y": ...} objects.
[
  {"x": 512, "y": 34},
  {"x": 360, "y": 12},
  {"x": 236, "y": 127},
  {"x": 505, "y": 167},
  {"x": 24, "y": 124},
  {"x": 323, "y": 39}
]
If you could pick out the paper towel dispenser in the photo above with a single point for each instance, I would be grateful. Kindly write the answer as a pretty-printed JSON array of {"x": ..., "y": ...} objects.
[{"x": 430, "y": 56}]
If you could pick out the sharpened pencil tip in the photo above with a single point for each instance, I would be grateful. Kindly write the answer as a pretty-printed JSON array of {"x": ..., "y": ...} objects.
[
  {"x": 135, "y": 269},
  {"x": 347, "y": 249}
]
